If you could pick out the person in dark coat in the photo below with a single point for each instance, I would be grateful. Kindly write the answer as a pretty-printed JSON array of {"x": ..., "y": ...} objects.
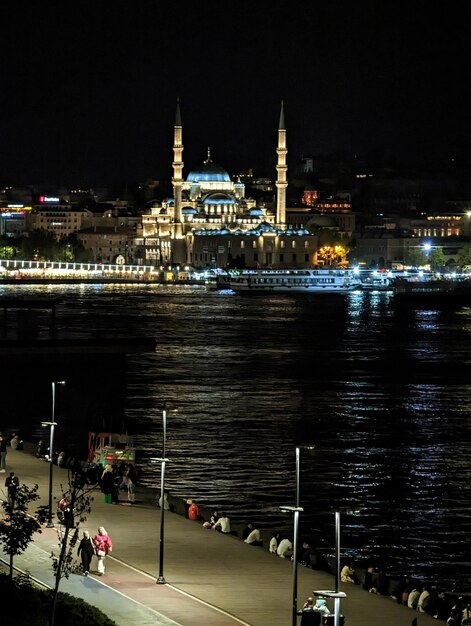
[
  {"x": 107, "y": 484},
  {"x": 86, "y": 550},
  {"x": 12, "y": 484}
]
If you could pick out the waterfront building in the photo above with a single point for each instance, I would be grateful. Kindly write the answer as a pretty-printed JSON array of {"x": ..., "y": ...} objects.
[
  {"x": 56, "y": 215},
  {"x": 109, "y": 244}
]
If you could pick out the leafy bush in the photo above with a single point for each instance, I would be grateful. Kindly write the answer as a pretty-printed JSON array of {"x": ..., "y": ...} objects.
[{"x": 28, "y": 605}]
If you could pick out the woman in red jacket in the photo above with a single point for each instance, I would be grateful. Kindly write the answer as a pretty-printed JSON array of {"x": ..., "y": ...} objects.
[
  {"x": 194, "y": 511},
  {"x": 103, "y": 546}
]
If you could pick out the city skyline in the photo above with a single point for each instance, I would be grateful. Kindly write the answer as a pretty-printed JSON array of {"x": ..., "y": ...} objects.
[{"x": 89, "y": 95}]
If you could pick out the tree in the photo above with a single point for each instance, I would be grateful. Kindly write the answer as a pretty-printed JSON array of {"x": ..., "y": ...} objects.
[
  {"x": 437, "y": 258},
  {"x": 332, "y": 256},
  {"x": 464, "y": 256},
  {"x": 41, "y": 244},
  {"x": 18, "y": 527},
  {"x": 79, "y": 505},
  {"x": 415, "y": 257},
  {"x": 73, "y": 250}
]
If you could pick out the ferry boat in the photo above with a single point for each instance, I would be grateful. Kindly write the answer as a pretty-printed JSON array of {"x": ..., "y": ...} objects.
[{"x": 314, "y": 281}]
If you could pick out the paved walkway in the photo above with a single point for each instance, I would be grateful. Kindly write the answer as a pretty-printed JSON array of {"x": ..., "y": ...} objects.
[{"x": 213, "y": 579}]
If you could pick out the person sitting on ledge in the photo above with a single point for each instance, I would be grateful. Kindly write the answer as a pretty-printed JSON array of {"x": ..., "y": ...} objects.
[
  {"x": 285, "y": 548},
  {"x": 254, "y": 537},
  {"x": 247, "y": 530},
  {"x": 274, "y": 543},
  {"x": 346, "y": 574},
  {"x": 223, "y": 524}
]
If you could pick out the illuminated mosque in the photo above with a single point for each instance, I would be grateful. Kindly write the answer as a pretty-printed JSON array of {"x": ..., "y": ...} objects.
[{"x": 210, "y": 223}]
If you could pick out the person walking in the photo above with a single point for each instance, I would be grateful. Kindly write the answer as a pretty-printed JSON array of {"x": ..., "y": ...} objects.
[
  {"x": 107, "y": 483},
  {"x": 12, "y": 483},
  {"x": 3, "y": 454},
  {"x": 128, "y": 483},
  {"x": 85, "y": 551},
  {"x": 103, "y": 546}
]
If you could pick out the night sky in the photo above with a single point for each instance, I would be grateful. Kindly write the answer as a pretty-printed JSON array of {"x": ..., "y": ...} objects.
[{"x": 88, "y": 89}]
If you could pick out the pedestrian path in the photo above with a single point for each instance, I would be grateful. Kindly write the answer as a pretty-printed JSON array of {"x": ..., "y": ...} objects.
[{"x": 213, "y": 579}]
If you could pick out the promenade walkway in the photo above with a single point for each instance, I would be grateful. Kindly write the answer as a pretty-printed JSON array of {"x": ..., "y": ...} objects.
[{"x": 213, "y": 579}]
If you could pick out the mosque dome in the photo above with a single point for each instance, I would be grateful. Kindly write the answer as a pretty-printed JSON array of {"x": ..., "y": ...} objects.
[
  {"x": 219, "y": 198},
  {"x": 255, "y": 212},
  {"x": 209, "y": 172}
]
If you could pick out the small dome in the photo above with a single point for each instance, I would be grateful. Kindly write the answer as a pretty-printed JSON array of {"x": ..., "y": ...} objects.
[
  {"x": 188, "y": 210},
  {"x": 256, "y": 212}
]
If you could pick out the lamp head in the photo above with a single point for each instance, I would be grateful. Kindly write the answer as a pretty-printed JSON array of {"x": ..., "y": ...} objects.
[{"x": 291, "y": 509}]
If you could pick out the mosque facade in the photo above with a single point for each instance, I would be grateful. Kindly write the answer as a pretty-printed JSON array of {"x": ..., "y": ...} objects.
[{"x": 210, "y": 222}]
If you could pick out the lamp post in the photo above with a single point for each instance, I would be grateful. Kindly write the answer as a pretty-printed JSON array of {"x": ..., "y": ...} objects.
[
  {"x": 337, "y": 562},
  {"x": 161, "y": 578},
  {"x": 296, "y": 510},
  {"x": 51, "y": 425}
]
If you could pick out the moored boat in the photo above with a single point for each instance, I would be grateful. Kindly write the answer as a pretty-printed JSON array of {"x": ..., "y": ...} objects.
[
  {"x": 217, "y": 281},
  {"x": 440, "y": 290},
  {"x": 377, "y": 281},
  {"x": 314, "y": 281}
]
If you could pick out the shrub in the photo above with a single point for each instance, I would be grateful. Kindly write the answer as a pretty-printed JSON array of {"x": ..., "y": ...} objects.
[{"x": 27, "y": 603}]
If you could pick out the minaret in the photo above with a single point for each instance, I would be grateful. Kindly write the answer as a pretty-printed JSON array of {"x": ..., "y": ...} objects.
[
  {"x": 281, "y": 169},
  {"x": 177, "y": 165}
]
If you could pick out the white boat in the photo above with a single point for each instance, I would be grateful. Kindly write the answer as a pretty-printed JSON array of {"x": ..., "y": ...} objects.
[
  {"x": 377, "y": 281},
  {"x": 318, "y": 281}
]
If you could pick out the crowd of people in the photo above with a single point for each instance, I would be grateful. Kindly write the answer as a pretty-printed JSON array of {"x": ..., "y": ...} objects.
[
  {"x": 415, "y": 595},
  {"x": 117, "y": 478}
]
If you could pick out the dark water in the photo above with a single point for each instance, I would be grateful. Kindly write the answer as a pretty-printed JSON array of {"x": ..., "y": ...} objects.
[{"x": 383, "y": 393}]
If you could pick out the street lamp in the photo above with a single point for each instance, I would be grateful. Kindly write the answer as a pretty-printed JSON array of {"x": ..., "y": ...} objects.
[
  {"x": 51, "y": 425},
  {"x": 161, "y": 578},
  {"x": 337, "y": 561},
  {"x": 296, "y": 510}
]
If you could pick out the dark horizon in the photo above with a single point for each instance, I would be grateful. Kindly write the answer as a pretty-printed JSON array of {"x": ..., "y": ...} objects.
[{"x": 90, "y": 96}]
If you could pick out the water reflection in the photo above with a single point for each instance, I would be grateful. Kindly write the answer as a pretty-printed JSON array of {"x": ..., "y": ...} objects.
[{"x": 383, "y": 393}]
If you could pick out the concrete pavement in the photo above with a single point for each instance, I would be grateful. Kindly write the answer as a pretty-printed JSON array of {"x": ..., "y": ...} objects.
[{"x": 212, "y": 579}]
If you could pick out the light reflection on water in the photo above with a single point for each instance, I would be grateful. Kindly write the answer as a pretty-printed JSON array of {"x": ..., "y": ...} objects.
[{"x": 383, "y": 393}]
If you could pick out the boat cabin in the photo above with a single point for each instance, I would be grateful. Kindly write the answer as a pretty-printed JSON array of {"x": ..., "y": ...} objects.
[{"x": 111, "y": 448}]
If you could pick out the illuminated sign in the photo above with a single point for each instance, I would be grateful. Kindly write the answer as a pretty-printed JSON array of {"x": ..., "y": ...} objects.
[
  {"x": 44, "y": 199},
  {"x": 15, "y": 209}
]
